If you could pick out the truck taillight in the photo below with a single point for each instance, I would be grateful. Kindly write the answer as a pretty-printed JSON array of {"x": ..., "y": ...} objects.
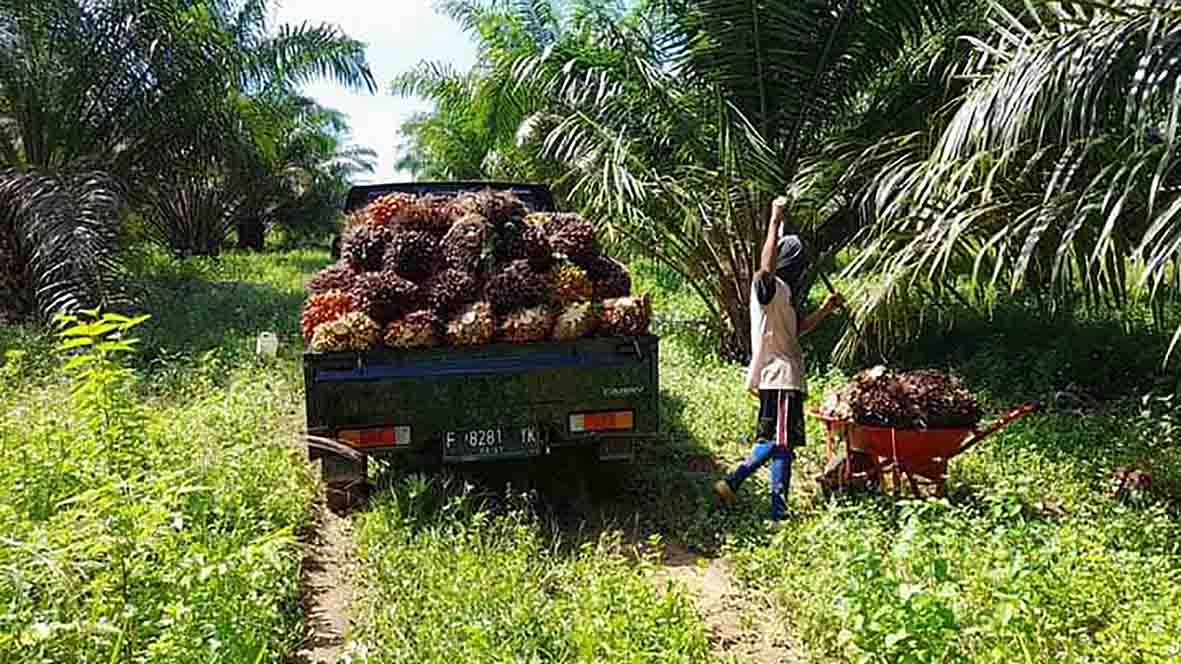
[
  {"x": 621, "y": 420},
  {"x": 376, "y": 437}
]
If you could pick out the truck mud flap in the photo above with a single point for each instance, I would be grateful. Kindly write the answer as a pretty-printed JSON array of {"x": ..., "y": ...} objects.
[
  {"x": 620, "y": 447},
  {"x": 617, "y": 449}
]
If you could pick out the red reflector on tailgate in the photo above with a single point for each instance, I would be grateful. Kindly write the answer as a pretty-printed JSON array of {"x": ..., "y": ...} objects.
[
  {"x": 623, "y": 420},
  {"x": 377, "y": 437}
]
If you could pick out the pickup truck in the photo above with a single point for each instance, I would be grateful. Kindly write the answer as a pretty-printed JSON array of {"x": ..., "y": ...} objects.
[{"x": 595, "y": 397}]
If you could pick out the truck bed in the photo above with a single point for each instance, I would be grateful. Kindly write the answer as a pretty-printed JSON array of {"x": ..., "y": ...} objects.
[{"x": 567, "y": 394}]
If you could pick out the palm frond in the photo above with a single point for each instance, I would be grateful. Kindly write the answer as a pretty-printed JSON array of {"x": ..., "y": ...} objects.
[
  {"x": 1051, "y": 170},
  {"x": 297, "y": 54},
  {"x": 66, "y": 230}
]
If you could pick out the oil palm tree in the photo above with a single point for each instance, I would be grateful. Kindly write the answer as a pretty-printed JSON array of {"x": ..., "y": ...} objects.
[
  {"x": 471, "y": 131},
  {"x": 140, "y": 88},
  {"x": 1056, "y": 173},
  {"x": 704, "y": 111},
  {"x": 81, "y": 87},
  {"x": 309, "y": 178}
]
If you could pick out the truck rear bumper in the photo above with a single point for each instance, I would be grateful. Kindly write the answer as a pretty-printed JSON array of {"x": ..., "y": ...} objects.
[{"x": 610, "y": 446}]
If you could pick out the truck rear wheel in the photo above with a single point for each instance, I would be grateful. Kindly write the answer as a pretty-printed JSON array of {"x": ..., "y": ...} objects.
[{"x": 344, "y": 472}]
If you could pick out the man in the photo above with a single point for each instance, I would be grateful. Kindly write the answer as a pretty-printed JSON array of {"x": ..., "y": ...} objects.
[{"x": 777, "y": 373}]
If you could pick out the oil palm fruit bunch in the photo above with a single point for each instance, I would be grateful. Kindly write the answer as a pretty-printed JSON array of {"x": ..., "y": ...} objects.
[
  {"x": 940, "y": 399},
  {"x": 625, "y": 316},
  {"x": 338, "y": 276},
  {"x": 463, "y": 245},
  {"x": 322, "y": 308},
  {"x": 364, "y": 247},
  {"x": 875, "y": 397},
  {"x": 412, "y": 254},
  {"x": 352, "y": 332},
  {"x": 525, "y": 325},
  {"x": 609, "y": 278},
  {"x": 516, "y": 286},
  {"x": 384, "y": 296},
  {"x": 418, "y": 329},
  {"x": 448, "y": 289},
  {"x": 357, "y": 218},
  {"x": 472, "y": 326},
  {"x": 508, "y": 242},
  {"x": 384, "y": 210},
  {"x": 553, "y": 221},
  {"x": 878, "y": 398},
  {"x": 496, "y": 206},
  {"x": 433, "y": 214},
  {"x": 575, "y": 321},
  {"x": 537, "y": 248},
  {"x": 569, "y": 283},
  {"x": 575, "y": 238}
]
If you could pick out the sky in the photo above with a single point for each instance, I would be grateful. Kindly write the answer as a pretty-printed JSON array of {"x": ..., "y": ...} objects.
[{"x": 400, "y": 34}]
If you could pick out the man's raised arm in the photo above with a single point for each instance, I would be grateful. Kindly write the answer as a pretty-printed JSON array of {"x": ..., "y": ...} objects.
[{"x": 767, "y": 259}]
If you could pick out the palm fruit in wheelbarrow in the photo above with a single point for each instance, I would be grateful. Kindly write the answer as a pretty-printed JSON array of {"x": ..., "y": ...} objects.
[
  {"x": 323, "y": 308},
  {"x": 525, "y": 325},
  {"x": 877, "y": 397},
  {"x": 923, "y": 399},
  {"x": 472, "y": 326},
  {"x": 575, "y": 321},
  {"x": 384, "y": 296},
  {"x": 940, "y": 399},
  {"x": 412, "y": 254},
  {"x": 364, "y": 247},
  {"x": 418, "y": 329},
  {"x": 517, "y": 286},
  {"x": 463, "y": 245},
  {"x": 625, "y": 317},
  {"x": 338, "y": 276},
  {"x": 569, "y": 283},
  {"x": 352, "y": 332}
]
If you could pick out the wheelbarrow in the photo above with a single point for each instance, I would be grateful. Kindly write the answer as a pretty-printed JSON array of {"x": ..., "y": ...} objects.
[{"x": 919, "y": 455}]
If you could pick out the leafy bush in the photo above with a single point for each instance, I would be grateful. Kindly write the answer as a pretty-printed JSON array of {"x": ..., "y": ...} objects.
[{"x": 133, "y": 531}]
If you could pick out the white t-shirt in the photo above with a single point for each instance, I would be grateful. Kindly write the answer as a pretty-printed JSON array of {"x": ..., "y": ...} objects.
[{"x": 777, "y": 361}]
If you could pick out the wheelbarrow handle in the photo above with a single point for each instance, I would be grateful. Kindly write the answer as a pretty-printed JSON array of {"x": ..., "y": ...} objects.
[{"x": 1005, "y": 421}]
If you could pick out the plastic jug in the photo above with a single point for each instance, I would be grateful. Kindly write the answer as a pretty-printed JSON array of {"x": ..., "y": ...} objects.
[{"x": 267, "y": 345}]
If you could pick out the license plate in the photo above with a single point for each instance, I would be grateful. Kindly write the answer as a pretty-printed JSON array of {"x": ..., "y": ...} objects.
[{"x": 497, "y": 443}]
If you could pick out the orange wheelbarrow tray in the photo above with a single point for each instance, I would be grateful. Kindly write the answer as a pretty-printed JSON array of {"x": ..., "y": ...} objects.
[{"x": 916, "y": 453}]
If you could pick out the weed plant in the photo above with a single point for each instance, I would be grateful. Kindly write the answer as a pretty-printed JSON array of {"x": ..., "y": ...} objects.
[{"x": 150, "y": 501}]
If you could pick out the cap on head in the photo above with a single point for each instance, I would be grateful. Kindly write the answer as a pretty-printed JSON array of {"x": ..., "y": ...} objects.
[{"x": 789, "y": 260}]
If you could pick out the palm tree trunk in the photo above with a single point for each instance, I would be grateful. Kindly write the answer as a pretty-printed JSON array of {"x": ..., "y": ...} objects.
[{"x": 251, "y": 234}]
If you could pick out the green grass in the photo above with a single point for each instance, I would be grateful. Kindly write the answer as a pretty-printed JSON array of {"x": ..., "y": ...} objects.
[
  {"x": 177, "y": 539},
  {"x": 449, "y": 578},
  {"x": 1029, "y": 559},
  {"x": 165, "y": 531}
]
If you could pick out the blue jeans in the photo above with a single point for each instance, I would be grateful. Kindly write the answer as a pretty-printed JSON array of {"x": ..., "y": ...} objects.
[{"x": 780, "y": 458}]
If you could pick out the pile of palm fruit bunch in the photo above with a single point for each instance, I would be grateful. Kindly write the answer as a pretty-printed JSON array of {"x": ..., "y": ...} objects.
[
  {"x": 920, "y": 399},
  {"x": 478, "y": 268}
]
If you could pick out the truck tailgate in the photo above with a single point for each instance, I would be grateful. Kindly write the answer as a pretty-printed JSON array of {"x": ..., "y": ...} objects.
[{"x": 503, "y": 385}]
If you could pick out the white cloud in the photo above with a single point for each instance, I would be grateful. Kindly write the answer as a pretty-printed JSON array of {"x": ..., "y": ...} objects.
[{"x": 399, "y": 34}]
